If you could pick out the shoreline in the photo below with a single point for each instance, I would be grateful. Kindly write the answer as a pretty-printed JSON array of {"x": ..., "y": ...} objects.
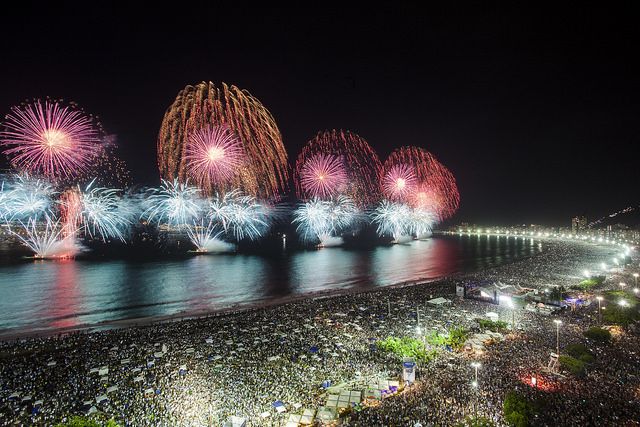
[{"x": 237, "y": 308}]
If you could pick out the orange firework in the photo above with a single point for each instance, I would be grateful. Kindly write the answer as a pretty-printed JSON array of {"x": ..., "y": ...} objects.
[
  {"x": 263, "y": 171},
  {"x": 434, "y": 187},
  {"x": 352, "y": 156}
]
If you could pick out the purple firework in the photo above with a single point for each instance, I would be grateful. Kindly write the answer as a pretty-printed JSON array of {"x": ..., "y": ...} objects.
[
  {"x": 214, "y": 154},
  {"x": 399, "y": 182},
  {"x": 50, "y": 139},
  {"x": 323, "y": 175}
]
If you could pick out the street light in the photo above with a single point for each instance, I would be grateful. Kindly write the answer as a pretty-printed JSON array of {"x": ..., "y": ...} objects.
[
  {"x": 476, "y": 365},
  {"x": 623, "y": 303},
  {"x": 599, "y": 298},
  {"x": 622, "y": 285},
  {"x": 509, "y": 301},
  {"x": 474, "y": 384},
  {"x": 558, "y": 323}
]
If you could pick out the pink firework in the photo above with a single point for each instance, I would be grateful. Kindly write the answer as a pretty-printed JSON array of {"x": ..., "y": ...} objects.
[
  {"x": 399, "y": 182},
  {"x": 429, "y": 198},
  {"x": 50, "y": 139},
  {"x": 435, "y": 189},
  {"x": 213, "y": 155},
  {"x": 323, "y": 176},
  {"x": 359, "y": 163},
  {"x": 70, "y": 210}
]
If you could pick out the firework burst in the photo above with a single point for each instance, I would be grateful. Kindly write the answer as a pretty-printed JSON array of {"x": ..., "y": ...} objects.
[
  {"x": 206, "y": 238},
  {"x": 401, "y": 221},
  {"x": 422, "y": 222},
  {"x": 434, "y": 187},
  {"x": 399, "y": 182},
  {"x": 263, "y": 172},
  {"x": 25, "y": 197},
  {"x": 323, "y": 176},
  {"x": 359, "y": 162},
  {"x": 173, "y": 203},
  {"x": 214, "y": 155},
  {"x": 325, "y": 220},
  {"x": 48, "y": 241},
  {"x": 51, "y": 139},
  {"x": 393, "y": 219},
  {"x": 102, "y": 213},
  {"x": 239, "y": 215}
]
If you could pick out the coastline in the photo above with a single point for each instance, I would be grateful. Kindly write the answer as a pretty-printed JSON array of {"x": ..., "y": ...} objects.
[
  {"x": 238, "y": 308},
  {"x": 235, "y": 309}
]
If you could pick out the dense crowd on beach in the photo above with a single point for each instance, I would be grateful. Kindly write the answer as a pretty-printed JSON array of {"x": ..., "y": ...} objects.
[{"x": 255, "y": 363}]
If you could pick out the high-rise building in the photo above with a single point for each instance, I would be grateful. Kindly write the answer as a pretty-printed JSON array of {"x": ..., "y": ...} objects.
[{"x": 578, "y": 223}]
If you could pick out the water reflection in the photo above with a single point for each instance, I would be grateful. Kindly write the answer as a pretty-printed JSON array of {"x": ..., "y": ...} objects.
[
  {"x": 61, "y": 294},
  {"x": 65, "y": 299}
]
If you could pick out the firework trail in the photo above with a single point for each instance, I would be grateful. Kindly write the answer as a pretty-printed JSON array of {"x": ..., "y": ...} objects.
[
  {"x": 47, "y": 242},
  {"x": 360, "y": 163},
  {"x": 172, "y": 203},
  {"x": 263, "y": 173},
  {"x": 434, "y": 186},
  {"x": 108, "y": 166},
  {"x": 51, "y": 139},
  {"x": 206, "y": 238},
  {"x": 322, "y": 176},
  {"x": 239, "y": 215},
  {"x": 324, "y": 220}
]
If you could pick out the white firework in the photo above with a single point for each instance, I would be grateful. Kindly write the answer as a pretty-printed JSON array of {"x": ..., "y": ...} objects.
[
  {"x": 393, "y": 219},
  {"x": 239, "y": 215},
  {"x": 173, "y": 203},
  {"x": 206, "y": 238},
  {"x": 324, "y": 220},
  {"x": 104, "y": 213},
  {"x": 47, "y": 241},
  {"x": 27, "y": 197}
]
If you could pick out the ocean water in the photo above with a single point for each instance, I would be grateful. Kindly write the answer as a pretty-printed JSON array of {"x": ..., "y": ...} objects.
[{"x": 43, "y": 296}]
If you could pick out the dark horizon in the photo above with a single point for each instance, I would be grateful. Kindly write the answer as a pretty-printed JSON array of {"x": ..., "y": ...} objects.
[{"x": 534, "y": 112}]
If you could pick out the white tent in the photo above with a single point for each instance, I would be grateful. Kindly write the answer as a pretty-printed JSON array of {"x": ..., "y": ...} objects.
[
  {"x": 493, "y": 316},
  {"x": 235, "y": 422},
  {"x": 439, "y": 301}
]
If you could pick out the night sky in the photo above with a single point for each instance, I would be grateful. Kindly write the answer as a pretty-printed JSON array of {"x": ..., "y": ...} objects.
[{"x": 536, "y": 112}]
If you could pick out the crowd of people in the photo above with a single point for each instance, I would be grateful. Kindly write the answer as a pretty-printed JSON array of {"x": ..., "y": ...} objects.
[{"x": 247, "y": 364}]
